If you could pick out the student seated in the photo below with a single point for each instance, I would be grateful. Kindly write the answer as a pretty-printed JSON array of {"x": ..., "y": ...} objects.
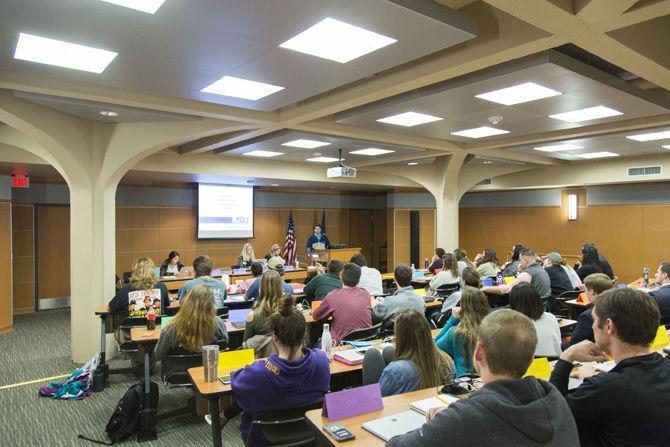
[
  {"x": 462, "y": 258},
  {"x": 202, "y": 266},
  {"x": 512, "y": 268},
  {"x": 414, "y": 364},
  {"x": 350, "y": 306},
  {"x": 590, "y": 262},
  {"x": 194, "y": 326},
  {"x": 276, "y": 264},
  {"x": 630, "y": 405},
  {"x": 662, "y": 294},
  {"x": 509, "y": 410},
  {"x": 594, "y": 284},
  {"x": 449, "y": 274},
  {"x": 558, "y": 276},
  {"x": 469, "y": 277},
  {"x": 172, "y": 265},
  {"x": 247, "y": 256},
  {"x": 256, "y": 272},
  {"x": 295, "y": 376},
  {"x": 275, "y": 250},
  {"x": 132, "y": 301},
  {"x": 457, "y": 338},
  {"x": 531, "y": 272},
  {"x": 487, "y": 263},
  {"x": 404, "y": 298},
  {"x": 371, "y": 279},
  {"x": 323, "y": 283},
  {"x": 270, "y": 293},
  {"x": 437, "y": 261},
  {"x": 525, "y": 299}
]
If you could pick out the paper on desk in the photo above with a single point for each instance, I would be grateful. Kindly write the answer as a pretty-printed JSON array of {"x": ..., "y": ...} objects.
[
  {"x": 441, "y": 401},
  {"x": 574, "y": 383},
  {"x": 604, "y": 366}
]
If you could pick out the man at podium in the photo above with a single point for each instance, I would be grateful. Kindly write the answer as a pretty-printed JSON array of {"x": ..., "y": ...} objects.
[{"x": 318, "y": 240}]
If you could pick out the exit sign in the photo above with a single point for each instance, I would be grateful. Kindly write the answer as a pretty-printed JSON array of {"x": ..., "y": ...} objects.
[{"x": 20, "y": 181}]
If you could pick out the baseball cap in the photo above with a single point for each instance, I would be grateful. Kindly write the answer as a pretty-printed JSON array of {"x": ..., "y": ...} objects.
[
  {"x": 554, "y": 257},
  {"x": 276, "y": 263}
]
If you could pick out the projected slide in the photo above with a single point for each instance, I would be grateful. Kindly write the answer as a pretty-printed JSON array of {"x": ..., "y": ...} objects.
[{"x": 225, "y": 212}]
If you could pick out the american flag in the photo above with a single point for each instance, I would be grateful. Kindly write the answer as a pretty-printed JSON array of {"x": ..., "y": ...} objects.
[{"x": 289, "y": 245}]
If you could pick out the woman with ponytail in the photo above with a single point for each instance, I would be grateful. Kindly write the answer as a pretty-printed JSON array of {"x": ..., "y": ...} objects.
[{"x": 295, "y": 376}]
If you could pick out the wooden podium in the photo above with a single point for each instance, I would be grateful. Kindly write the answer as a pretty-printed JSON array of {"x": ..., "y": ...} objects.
[{"x": 341, "y": 254}]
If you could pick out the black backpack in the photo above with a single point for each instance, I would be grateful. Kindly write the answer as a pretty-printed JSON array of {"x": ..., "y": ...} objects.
[{"x": 125, "y": 421}]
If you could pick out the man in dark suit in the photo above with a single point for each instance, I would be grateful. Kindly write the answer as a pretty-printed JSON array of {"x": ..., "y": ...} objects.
[{"x": 662, "y": 294}]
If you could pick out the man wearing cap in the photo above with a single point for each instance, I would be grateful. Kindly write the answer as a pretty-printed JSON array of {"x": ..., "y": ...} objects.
[
  {"x": 275, "y": 263},
  {"x": 558, "y": 277}
]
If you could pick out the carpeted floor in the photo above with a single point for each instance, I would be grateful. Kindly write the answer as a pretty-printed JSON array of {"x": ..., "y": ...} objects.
[{"x": 29, "y": 420}]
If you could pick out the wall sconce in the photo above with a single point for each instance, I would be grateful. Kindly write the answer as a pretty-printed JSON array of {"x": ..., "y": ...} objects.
[{"x": 572, "y": 207}]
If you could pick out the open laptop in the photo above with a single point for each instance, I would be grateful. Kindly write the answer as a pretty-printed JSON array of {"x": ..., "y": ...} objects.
[
  {"x": 238, "y": 317},
  {"x": 396, "y": 424}
]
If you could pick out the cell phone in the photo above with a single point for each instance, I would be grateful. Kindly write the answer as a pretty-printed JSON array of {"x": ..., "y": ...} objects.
[
  {"x": 225, "y": 379},
  {"x": 338, "y": 432}
]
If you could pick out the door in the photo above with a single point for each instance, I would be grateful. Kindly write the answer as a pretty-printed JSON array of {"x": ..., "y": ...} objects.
[{"x": 52, "y": 264}]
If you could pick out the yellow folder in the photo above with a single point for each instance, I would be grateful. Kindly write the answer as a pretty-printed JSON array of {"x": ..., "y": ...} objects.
[
  {"x": 539, "y": 368},
  {"x": 234, "y": 360},
  {"x": 661, "y": 339}
]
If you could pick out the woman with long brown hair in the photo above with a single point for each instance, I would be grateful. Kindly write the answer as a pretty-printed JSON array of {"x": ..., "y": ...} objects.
[
  {"x": 449, "y": 274},
  {"x": 459, "y": 336},
  {"x": 194, "y": 326},
  {"x": 415, "y": 362},
  {"x": 487, "y": 263},
  {"x": 271, "y": 290}
]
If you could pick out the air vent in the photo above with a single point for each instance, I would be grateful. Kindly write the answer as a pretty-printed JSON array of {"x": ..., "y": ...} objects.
[
  {"x": 644, "y": 170},
  {"x": 486, "y": 181}
]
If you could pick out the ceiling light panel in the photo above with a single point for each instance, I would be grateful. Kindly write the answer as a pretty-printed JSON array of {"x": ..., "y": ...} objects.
[
  {"x": 62, "y": 54},
  {"x": 413, "y": 163},
  {"x": 372, "y": 151},
  {"x": 517, "y": 94},
  {"x": 558, "y": 148},
  {"x": 265, "y": 154},
  {"x": 650, "y": 136},
  {"x": 480, "y": 132},
  {"x": 241, "y": 88},
  {"x": 588, "y": 114},
  {"x": 323, "y": 159},
  {"x": 667, "y": 146},
  {"x": 150, "y": 6},
  {"x": 409, "y": 119},
  {"x": 306, "y": 144},
  {"x": 598, "y": 155},
  {"x": 337, "y": 41}
]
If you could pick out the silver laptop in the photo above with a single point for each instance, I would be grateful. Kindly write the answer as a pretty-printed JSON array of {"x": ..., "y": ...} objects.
[{"x": 396, "y": 424}]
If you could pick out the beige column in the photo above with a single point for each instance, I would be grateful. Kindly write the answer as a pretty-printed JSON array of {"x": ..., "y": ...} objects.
[{"x": 447, "y": 197}]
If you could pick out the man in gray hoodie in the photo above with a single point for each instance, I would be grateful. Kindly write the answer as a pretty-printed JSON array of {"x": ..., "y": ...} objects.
[{"x": 508, "y": 410}]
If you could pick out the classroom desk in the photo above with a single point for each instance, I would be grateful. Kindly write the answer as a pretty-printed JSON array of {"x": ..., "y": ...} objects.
[
  {"x": 174, "y": 283},
  {"x": 146, "y": 338},
  {"x": 566, "y": 323},
  {"x": 575, "y": 308},
  {"x": 392, "y": 405}
]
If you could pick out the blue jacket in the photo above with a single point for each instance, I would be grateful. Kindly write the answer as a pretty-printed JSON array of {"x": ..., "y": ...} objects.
[
  {"x": 453, "y": 344},
  {"x": 399, "y": 377},
  {"x": 313, "y": 240}
]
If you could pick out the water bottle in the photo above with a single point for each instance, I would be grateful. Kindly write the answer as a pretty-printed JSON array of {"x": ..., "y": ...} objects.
[
  {"x": 499, "y": 279},
  {"x": 151, "y": 319},
  {"x": 645, "y": 276},
  {"x": 425, "y": 264},
  {"x": 210, "y": 362},
  {"x": 327, "y": 342},
  {"x": 413, "y": 270}
]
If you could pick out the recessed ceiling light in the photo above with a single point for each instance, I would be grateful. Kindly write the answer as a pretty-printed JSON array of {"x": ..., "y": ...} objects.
[
  {"x": 323, "y": 159},
  {"x": 517, "y": 94},
  {"x": 371, "y": 151},
  {"x": 263, "y": 153},
  {"x": 650, "y": 136},
  {"x": 241, "y": 88},
  {"x": 479, "y": 132},
  {"x": 598, "y": 155},
  {"x": 108, "y": 113},
  {"x": 274, "y": 184},
  {"x": 150, "y": 6},
  {"x": 306, "y": 144},
  {"x": 409, "y": 119},
  {"x": 413, "y": 163},
  {"x": 591, "y": 113},
  {"x": 62, "y": 54},
  {"x": 337, "y": 41},
  {"x": 558, "y": 148},
  {"x": 667, "y": 146}
]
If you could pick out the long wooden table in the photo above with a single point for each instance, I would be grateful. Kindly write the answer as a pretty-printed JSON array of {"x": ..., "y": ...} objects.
[{"x": 174, "y": 283}]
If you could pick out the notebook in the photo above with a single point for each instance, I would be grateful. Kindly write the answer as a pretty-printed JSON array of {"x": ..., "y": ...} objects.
[
  {"x": 394, "y": 425},
  {"x": 605, "y": 366},
  {"x": 439, "y": 401},
  {"x": 351, "y": 356}
]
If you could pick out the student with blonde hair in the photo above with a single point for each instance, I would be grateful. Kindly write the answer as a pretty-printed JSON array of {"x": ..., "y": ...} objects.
[
  {"x": 247, "y": 256},
  {"x": 142, "y": 279},
  {"x": 458, "y": 337},
  {"x": 271, "y": 291}
]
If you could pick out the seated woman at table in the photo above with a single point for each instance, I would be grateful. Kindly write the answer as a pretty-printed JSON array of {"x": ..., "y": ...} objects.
[
  {"x": 437, "y": 261},
  {"x": 275, "y": 250},
  {"x": 271, "y": 291},
  {"x": 194, "y": 326},
  {"x": 511, "y": 268},
  {"x": 414, "y": 364},
  {"x": 459, "y": 336},
  {"x": 172, "y": 265},
  {"x": 247, "y": 256},
  {"x": 487, "y": 263},
  {"x": 293, "y": 377},
  {"x": 462, "y": 258},
  {"x": 524, "y": 298},
  {"x": 256, "y": 271},
  {"x": 449, "y": 274}
]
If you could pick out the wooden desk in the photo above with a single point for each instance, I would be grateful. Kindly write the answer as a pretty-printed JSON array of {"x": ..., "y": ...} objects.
[
  {"x": 575, "y": 308},
  {"x": 566, "y": 323},
  {"x": 392, "y": 405},
  {"x": 174, "y": 283}
]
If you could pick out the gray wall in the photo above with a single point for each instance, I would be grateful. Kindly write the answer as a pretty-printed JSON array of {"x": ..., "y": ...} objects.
[
  {"x": 410, "y": 200},
  {"x": 498, "y": 199},
  {"x": 5, "y": 187},
  {"x": 637, "y": 194}
]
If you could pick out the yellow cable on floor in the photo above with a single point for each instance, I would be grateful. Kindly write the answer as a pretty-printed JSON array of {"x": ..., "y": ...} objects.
[{"x": 47, "y": 379}]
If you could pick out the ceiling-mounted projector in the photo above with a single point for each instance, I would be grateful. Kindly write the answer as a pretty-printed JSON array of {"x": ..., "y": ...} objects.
[{"x": 340, "y": 170}]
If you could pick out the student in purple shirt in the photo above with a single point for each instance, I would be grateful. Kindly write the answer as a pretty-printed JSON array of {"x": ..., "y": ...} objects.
[{"x": 295, "y": 376}]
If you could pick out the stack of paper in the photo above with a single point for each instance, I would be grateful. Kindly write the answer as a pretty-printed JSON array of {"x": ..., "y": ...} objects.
[{"x": 439, "y": 401}]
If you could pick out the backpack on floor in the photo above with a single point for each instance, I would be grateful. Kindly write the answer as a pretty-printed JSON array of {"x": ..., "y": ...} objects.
[{"x": 125, "y": 421}]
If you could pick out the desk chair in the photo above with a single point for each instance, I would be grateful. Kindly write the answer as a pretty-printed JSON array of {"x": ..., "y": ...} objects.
[
  {"x": 557, "y": 306},
  {"x": 367, "y": 333},
  {"x": 445, "y": 290},
  {"x": 222, "y": 312},
  {"x": 388, "y": 287},
  {"x": 286, "y": 427}
]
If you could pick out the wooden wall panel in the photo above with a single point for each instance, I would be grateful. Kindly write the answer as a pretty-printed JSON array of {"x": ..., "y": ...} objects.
[
  {"x": 401, "y": 247},
  {"x": 53, "y": 251},
  {"x": 23, "y": 261},
  {"x": 361, "y": 233},
  {"x": 6, "y": 300}
]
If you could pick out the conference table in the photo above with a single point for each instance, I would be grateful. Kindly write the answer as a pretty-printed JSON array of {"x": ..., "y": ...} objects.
[{"x": 174, "y": 283}]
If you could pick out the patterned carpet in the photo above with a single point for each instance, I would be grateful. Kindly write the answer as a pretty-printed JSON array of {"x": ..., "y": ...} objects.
[{"x": 29, "y": 420}]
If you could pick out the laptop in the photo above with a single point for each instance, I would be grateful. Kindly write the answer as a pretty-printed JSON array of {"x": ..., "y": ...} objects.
[
  {"x": 238, "y": 317},
  {"x": 396, "y": 424}
]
